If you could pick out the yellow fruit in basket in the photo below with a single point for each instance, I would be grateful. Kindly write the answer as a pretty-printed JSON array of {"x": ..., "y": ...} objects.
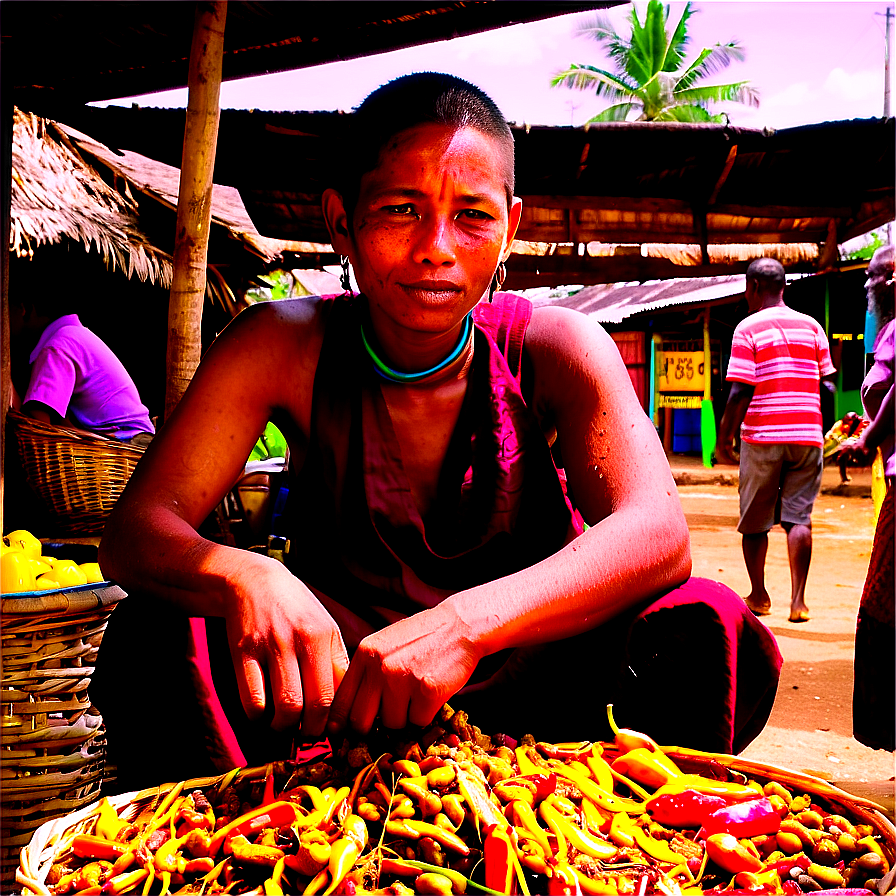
[
  {"x": 92, "y": 571},
  {"x": 40, "y": 566},
  {"x": 46, "y": 583},
  {"x": 67, "y": 574},
  {"x": 16, "y": 574},
  {"x": 28, "y": 544}
]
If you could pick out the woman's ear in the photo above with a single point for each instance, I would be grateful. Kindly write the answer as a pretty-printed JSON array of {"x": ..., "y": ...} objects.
[
  {"x": 514, "y": 216},
  {"x": 337, "y": 220}
]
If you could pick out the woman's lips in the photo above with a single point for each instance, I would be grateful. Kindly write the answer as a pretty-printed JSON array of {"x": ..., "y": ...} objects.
[{"x": 433, "y": 289}]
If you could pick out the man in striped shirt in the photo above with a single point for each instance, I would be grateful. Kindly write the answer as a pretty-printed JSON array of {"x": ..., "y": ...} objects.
[{"x": 779, "y": 361}]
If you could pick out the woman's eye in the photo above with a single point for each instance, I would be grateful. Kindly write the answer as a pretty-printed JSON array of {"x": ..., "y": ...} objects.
[{"x": 476, "y": 214}]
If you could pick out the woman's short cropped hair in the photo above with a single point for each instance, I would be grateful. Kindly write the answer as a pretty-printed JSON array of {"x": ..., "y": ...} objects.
[{"x": 409, "y": 101}]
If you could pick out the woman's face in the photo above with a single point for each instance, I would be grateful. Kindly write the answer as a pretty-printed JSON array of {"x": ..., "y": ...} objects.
[{"x": 430, "y": 226}]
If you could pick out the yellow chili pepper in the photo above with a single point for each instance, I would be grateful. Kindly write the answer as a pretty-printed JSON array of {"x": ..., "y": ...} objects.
[
  {"x": 581, "y": 840},
  {"x": 108, "y": 822},
  {"x": 346, "y": 850},
  {"x": 562, "y": 852},
  {"x": 165, "y": 858},
  {"x": 600, "y": 768},
  {"x": 412, "y": 829},
  {"x": 649, "y": 767},
  {"x": 597, "y": 794},
  {"x": 620, "y": 830},
  {"x": 658, "y": 849},
  {"x": 524, "y": 817},
  {"x": 523, "y": 760}
]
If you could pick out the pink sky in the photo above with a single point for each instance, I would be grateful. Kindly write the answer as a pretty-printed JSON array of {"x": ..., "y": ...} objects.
[{"x": 811, "y": 61}]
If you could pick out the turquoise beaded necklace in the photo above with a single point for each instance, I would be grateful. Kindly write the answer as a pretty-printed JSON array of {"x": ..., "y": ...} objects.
[{"x": 396, "y": 376}]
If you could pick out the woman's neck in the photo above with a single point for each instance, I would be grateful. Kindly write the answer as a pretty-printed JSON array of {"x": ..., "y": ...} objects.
[{"x": 452, "y": 364}]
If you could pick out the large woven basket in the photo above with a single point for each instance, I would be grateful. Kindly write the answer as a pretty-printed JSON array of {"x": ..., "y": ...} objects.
[
  {"x": 53, "y": 741},
  {"x": 53, "y": 838},
  {"x": 79, "y": 476}
]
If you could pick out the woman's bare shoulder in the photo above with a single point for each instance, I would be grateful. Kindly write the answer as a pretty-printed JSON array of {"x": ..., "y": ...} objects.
[{"x": 561, "y": 336}]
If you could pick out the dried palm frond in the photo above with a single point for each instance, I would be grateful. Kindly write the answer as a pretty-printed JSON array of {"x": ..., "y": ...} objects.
[{"x": 56, "y": 194}]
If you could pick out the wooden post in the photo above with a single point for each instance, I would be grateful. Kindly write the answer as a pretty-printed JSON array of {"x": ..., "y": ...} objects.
[{"x": 194, "y": 203}]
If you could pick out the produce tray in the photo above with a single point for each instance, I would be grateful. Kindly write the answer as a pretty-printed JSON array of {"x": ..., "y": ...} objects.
[{"x": 52, "y": 840}]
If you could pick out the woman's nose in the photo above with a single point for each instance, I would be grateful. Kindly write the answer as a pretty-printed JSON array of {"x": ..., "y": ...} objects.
[{"x": 435, "y": 242}]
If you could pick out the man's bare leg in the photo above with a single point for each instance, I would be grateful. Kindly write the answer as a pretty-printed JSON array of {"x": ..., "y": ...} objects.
[
  {"x": 755, "y": 548},
  {"x": 799, "y": 552}
]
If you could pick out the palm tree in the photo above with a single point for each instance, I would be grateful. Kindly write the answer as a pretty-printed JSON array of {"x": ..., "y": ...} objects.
[{"x": 650, "y": 74}]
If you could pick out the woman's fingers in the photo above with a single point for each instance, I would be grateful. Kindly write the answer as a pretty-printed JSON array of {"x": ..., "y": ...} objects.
[
  {"x": 287, "y": 690},
  {"x": 250, "y": 681}
]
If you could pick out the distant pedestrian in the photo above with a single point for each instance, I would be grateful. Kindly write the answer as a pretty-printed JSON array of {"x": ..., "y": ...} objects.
[
  {"x": 873, "y": 691},
  {"x": 779, "y": 360}
]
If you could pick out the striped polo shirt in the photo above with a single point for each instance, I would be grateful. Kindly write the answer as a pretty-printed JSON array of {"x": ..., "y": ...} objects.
[{"x": 783, "y": 354}]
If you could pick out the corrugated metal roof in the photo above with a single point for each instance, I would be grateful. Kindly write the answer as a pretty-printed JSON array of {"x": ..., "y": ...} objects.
[{"x": 612, "y": 303}]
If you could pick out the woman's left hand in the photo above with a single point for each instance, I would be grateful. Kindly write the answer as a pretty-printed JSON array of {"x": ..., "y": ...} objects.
[{"x": 405, "y": 672}]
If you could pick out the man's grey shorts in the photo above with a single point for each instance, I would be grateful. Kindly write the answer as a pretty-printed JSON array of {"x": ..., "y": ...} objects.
[{"x": 777, "y": 484}]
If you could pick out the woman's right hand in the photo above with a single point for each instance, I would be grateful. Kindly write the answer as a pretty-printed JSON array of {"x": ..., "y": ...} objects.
[{"x": 284, "y": 646}]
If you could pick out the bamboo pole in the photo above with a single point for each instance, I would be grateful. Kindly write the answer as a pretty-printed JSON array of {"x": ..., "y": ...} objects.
[{"x": 194, "y": 203}]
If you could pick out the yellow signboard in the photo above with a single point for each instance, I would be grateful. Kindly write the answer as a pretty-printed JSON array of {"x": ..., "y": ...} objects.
[
  {"x": 679, "y": 371},
  {"x": 679, "y": 401}
]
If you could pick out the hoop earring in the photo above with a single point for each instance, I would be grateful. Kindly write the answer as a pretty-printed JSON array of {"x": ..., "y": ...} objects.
[
  {"x": 497, "y": 280},
  {"x": 345, "y": 280}
]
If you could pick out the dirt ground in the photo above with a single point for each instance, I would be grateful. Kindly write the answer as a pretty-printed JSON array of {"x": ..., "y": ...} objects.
[{"x": 810, "y": 728}]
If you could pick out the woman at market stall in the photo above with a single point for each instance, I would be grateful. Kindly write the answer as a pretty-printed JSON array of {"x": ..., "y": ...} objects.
[
  {"x": 448, "y": 445},
  {"x": 874, "y": 689}
]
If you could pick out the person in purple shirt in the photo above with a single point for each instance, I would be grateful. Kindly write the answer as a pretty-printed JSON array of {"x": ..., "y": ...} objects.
[{"x": 76, "y": 379}]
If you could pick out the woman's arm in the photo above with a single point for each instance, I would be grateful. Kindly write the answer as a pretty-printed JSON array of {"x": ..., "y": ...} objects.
[
  {"x": 871, "y": 437},
  {"x": 637, "y": 545},
  {"x": 277, "y": 630}
]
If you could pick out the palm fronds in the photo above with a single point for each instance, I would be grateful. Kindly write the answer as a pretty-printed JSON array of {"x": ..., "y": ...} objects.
[
  {"x": 56, "y": 194},
  {"x": 650, "y": 73}
]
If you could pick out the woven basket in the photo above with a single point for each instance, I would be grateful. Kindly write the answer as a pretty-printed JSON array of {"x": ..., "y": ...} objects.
[
  {"x": 53, "y": 741},
  {"x": 79, "y": 476},
  {"x": 53, "y": 838}
]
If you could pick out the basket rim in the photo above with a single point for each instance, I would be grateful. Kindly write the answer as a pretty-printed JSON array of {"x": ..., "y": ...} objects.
[
  {"x": 30, "y": 426},
  {"x": 35, "y": 859},
  {"x": 92, "y": 596}
]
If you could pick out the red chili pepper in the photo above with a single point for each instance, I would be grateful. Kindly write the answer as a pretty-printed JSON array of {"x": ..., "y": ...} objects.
[
  {"x": 687, "y": 809},
  {"x": 545, "y": 785},
  {"x": 791, "y": 888},
  {"x": 89, "y": 847},
  {"x": 748, "y": 819},
  {"x": 276, "y": 815},
  {"x": 499, "y": 866}
]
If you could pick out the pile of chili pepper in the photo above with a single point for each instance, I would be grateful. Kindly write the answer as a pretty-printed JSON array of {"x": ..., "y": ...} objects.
[{"x": 456, "y": 812}]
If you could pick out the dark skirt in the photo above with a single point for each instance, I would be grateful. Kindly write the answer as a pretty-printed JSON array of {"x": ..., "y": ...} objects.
[{"x": 874, "y": 694}]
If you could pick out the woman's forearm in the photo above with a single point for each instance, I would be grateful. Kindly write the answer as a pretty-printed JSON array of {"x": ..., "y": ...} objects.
[
  {"x": 615, "y": 565},
  {"x": 157, "y": 552}
]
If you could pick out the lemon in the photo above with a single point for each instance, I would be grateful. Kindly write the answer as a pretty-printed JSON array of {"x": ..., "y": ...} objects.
[
  {"x": 40, "y": 566},
  {"x": 67, "y": 574},
  {"x": 16, "y": 574},
  {"x": 92, "y": 571},
  {"x": 28, "y": 544},
  {"x": 45, "y": 583}
]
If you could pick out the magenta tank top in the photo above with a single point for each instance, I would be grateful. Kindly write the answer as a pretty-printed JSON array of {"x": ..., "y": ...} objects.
[{"x": 356, "y": 538}]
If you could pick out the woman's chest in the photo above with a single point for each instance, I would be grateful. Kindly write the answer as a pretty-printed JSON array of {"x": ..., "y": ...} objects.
[{"x": 424, "y": 423}]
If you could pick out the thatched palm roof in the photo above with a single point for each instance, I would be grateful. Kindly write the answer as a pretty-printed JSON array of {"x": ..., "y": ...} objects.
[{"x": 56, "y": 194}]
